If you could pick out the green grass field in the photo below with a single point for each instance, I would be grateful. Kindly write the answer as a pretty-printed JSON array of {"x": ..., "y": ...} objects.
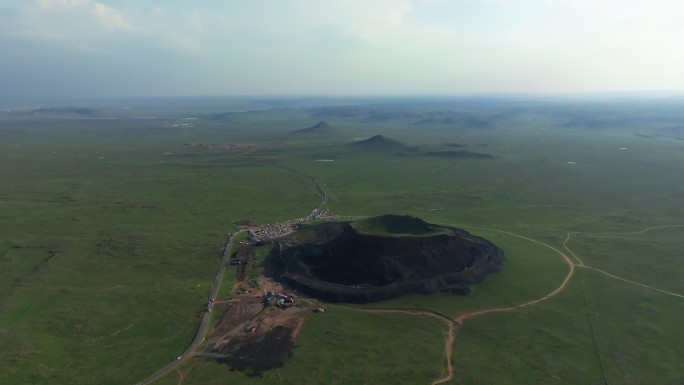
[
  {"x": 111, "y": 232},
  {"x": 344, "y": 346}
]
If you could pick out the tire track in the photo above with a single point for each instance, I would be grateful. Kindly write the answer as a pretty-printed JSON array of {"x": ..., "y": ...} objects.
[
  {"x": 633, "y": 282},
  {"x": 583, "y": 265},
  {"x": 592, "y": 331},
  {"x": 56, "y": 281}
]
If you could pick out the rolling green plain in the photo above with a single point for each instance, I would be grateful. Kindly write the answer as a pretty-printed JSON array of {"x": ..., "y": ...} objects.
[{"x": 112, "y": 224}]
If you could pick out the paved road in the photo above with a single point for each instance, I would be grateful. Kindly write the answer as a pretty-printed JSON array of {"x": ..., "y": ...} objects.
[{"x": 204, "y": 323}]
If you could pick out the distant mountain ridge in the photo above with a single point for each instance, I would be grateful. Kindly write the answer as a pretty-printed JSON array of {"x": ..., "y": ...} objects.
[{"x": 71, "y": 110}]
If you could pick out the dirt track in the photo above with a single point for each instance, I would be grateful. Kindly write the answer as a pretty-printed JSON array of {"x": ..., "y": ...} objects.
[
  {"x": 463, "y": 317},
  {"x": 581, "y": 264},
  {"x": 455, "y": 324},
  {"x": 448, "y": 340}
]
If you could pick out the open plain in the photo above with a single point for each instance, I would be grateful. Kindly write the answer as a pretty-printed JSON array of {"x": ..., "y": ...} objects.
[{"x": 112, "y": 228}]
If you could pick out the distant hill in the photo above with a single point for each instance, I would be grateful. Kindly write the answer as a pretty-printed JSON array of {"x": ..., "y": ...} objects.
[
  {"x": 379, "y": 141},
  {"x": 320, "y": 128},
  {"x": 374, "y": 113},
  {"x": 463, "y": 154}
]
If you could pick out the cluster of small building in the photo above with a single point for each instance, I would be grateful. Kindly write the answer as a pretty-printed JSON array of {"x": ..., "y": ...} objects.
[
  {"x": 278, "y": 299},
  {"x": 270, "y": 232},
  {"x": 319, "y": 215},
  {"x": 207, "y": 308}
]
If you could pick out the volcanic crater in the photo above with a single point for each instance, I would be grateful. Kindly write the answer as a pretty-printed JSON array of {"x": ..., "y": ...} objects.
[{"x": 384, "y": 257}]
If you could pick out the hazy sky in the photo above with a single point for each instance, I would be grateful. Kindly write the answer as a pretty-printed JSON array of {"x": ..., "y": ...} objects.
[{"x": 86, "y": 48}]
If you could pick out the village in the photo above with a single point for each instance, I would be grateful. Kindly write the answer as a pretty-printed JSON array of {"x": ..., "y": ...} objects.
[{"x": 271, "y": 233}]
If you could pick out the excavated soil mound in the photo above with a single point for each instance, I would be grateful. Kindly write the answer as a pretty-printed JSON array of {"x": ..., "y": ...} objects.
[
  {"x": 268, "y": 352},
  {"x": 252, "y": 336},
  {"x": 385, "y": 257}
]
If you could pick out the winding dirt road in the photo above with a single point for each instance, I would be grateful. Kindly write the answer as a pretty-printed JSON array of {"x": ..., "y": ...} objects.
[
  {"x": 566, "y": 259},
  {"x": 455, "y": 324},
  {"x": 571, "y": 265},
  {"x": 460, "y": 319},
  {"x": 448, "y": 338}
]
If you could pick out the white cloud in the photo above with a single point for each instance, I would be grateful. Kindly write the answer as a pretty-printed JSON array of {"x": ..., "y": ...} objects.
[
  {"x": 378, "y": 22},
  {"x": 107, "y": 16},
  {"x": 356, "y": 15},
  {"x": 370, "y": 45}
]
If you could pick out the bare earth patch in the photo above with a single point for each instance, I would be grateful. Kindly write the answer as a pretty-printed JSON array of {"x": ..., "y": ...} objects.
[{"x": 253, "y": 335}]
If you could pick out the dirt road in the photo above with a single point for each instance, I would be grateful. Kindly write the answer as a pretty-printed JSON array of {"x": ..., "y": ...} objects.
[
  {"x": 571, "y": 265},
  {"x": 571, "y": 270},
  {"x": 461, "y": 318},
  {"x": 448, "y": 338},
  {"x": 581, "y": 264},
  {"x": 455, "y": 324}
]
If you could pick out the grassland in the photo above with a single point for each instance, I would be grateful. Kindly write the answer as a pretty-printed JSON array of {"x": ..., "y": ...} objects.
[
  {"x": 107, "y": 227},
  {"x": 599, "y": 330},
  {"x": 344, "y": 346}
]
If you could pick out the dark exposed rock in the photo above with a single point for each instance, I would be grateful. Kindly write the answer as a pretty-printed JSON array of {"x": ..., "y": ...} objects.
[
  {"x": 265, "y": 352},
  {"x": 346, "y": 265}
]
